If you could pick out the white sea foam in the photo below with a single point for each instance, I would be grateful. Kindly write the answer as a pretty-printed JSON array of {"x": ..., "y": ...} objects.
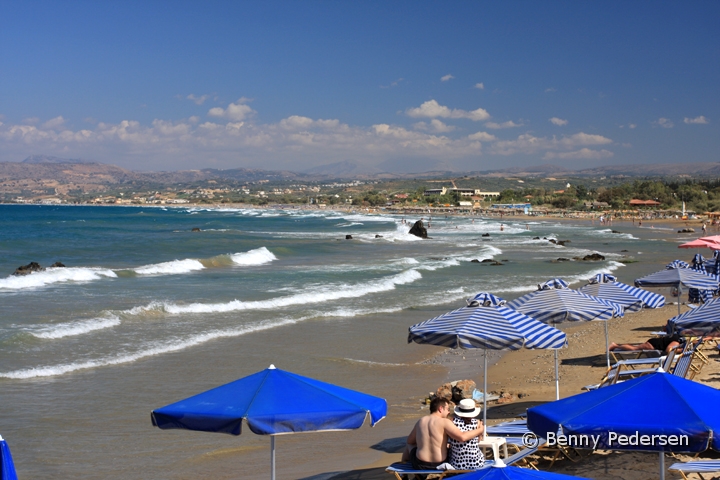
[
  {"x": 315, "y": 295},
  {"x": 258, "y": 256},
  {"x": 174, "y": 267},
  {"x": 55, "y": 275},
  {"x": 155, "y": 348},
  {"x": 78, "y": 327}
]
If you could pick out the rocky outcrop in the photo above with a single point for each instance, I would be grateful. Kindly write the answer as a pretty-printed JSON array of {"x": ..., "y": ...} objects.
[
  {"x": 687, "y": 230},
  {"x": 593, "y": 257},
  {"x": 196, "y": 229},
  {"x": 348, "y": 237},
  {"x": 28, "y": 269},
  {"x": 419, "y": 230},
  {"x": 57, "y": 265}
]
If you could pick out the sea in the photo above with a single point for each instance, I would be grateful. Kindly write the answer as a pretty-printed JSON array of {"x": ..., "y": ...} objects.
[{"x": 156, "y": 304}]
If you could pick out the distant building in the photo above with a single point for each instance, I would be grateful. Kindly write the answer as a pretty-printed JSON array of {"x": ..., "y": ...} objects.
[
  {"x": 644, "y": 203},
  {"x": 464, "y": 192}
]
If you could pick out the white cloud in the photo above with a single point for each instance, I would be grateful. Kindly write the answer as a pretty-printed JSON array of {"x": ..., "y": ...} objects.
[
  {"x": 664, "y": 122},
  {"x": 558, "y": 121},
  {"x": 198, "y": 100},
  {"x": 393, "y": 84},
  {"x": 482, "y": 137},
  {"x": 447, "y": 77},
  {"x": 508, "y": 124},
  {"x": 697, "y": 120},
  {"x": 432, "y": 109},
  {"x": 435, "y": 125},
  {"x": 480, "y": 86},
  {"x": 582, "y": 154},
  {"x": 235, "y": 111},
  {"x": 529, "y": 144},
  {"x": 54, "y": 123},
  {"x": 31, "y": 120}
]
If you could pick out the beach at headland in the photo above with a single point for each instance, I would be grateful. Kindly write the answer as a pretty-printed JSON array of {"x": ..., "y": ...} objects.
[{"x": 150, "y": 312}]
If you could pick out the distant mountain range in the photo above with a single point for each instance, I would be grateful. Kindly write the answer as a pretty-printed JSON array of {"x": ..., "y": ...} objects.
[{"x": 73, "y": 171}]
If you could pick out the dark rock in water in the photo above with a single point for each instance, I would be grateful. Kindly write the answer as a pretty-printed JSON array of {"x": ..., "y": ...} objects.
[
  {"x": 488, "y": 260},
  {"x": 57, "y": 265},
  {"x": 561, "y": 259},
  {"x": 552, "y": 240},
  {"x": 687, "y": 230},
  {"x": 504, "y": 260},
  {"x": 623, "y": 250},
  {"x": 28, "y": 269},
  {"x": 497, "y": 263},
  {"x": 348, "y": 237},
  {"x": 474, "y": 260},
  {"x": 419, "y": 230},
  {"x": 196, "y": 229},
  {"x": 378, "y": 236},
  {"x": 593, "y": 257},
  {"x": 614, "y": 231},
  {"x": 485, "y": 235},
  {"x": 536, "y": 238},
  {"x": 562, "y": 242}
]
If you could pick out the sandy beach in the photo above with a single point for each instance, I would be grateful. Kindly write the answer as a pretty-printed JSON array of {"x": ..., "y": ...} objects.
[{"x": 530, "y": 373}]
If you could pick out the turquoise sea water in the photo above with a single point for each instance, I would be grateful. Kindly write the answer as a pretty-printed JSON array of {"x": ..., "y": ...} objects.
[{"x": 147, "y": 312}]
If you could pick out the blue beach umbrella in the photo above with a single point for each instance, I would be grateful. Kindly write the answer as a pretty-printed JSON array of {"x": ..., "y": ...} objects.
[
  {"x": 512, "y": 473},
  {"x": 695, "y": 295},
  {"x": 633, "y": 299},
  {"x": 7, "y": 467},
  {"x": 486, "y": 323},
  {"x": 272, "y": 402},
  {"x": 703, "y": 320},
  {"x": 677, "y": 277},
  {"x": 554, "y": 302},
  {"x": 659, "y": 404}
]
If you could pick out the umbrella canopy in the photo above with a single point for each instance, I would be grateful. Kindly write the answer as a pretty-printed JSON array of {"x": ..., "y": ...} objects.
[
  {"x": 512, "y": 473},
  {"x": 606, "y": 286},
  {"x": 677, "y": 277},
  {"x": 486, "y": 323},
  {"x": 554, "y": 302},
  {"x": 682, "y": 414},
  {"x": 700, "y": 243},
  {"x": 695, "y": 295},
  {"x": 272, "y": 402},
  {"x": 7, "y": 467},
  {"x": 703, "y": 320},
  {"x": 655, "y": 404}
]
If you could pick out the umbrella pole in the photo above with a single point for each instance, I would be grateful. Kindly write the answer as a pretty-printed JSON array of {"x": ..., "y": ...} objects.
[
  {"x": 679, "y": 296},
  {"x": 485, "y": 394},
  {"x": 272, "y": 457},
  {"x": 607, "y": 344},
  {"x": 662, "y": 465},
  {"x": 557, "y": 377}
]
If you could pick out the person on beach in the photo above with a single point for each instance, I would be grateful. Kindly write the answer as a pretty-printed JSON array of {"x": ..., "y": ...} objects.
[
  {"x": 664, "y": 344},
  {"x": 427, "y": 445},
  {"x": 466, "y": 455}
]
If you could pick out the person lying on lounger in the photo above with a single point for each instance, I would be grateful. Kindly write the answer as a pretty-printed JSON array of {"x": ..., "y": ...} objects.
[
  {"x": 427, "y": 444},
  {"x": 664, "y": 344}
]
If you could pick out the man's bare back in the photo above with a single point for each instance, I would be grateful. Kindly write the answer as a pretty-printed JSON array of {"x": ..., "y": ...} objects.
[{"x": 430, "y": 435}]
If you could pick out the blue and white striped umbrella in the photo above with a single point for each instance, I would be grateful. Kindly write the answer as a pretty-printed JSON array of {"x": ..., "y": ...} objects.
[
  {"x": 677, "y": 264},
  {"x": 633, "y": 299},
  {"x": 562, "y": 304},
  {"x": 678, "y": 277},
  {"x": 703, "y": 320},
  {"x": 695, "y": 295},
  {"x": 486, "y": 323}
]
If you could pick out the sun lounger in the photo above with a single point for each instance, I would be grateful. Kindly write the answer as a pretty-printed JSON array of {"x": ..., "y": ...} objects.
[
  {"x": 627, "y": 369},
  {"x": 618, "y": 355},
  {"x": 400, "y": 469},
  {"x": 696, "y": 466}
]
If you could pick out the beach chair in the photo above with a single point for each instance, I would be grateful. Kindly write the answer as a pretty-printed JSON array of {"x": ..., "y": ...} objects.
[
  {"x": 610, "y": 378},
  {"x": 684, "y": 366},
  {"x": 696, "y": 466},
  {"x": 627, "y": 369},
  {"x": 403, "y": 470},
  {"x": 619, "y": 355}
]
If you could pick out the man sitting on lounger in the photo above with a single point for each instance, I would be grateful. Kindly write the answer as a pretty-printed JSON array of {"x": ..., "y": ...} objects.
[
  {"x": 427, "y": 444},
  {"x": 664, "y": 344}
]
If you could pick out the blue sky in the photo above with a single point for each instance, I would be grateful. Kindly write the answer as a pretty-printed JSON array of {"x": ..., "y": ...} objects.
[{"x": 393, "y": 85}]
